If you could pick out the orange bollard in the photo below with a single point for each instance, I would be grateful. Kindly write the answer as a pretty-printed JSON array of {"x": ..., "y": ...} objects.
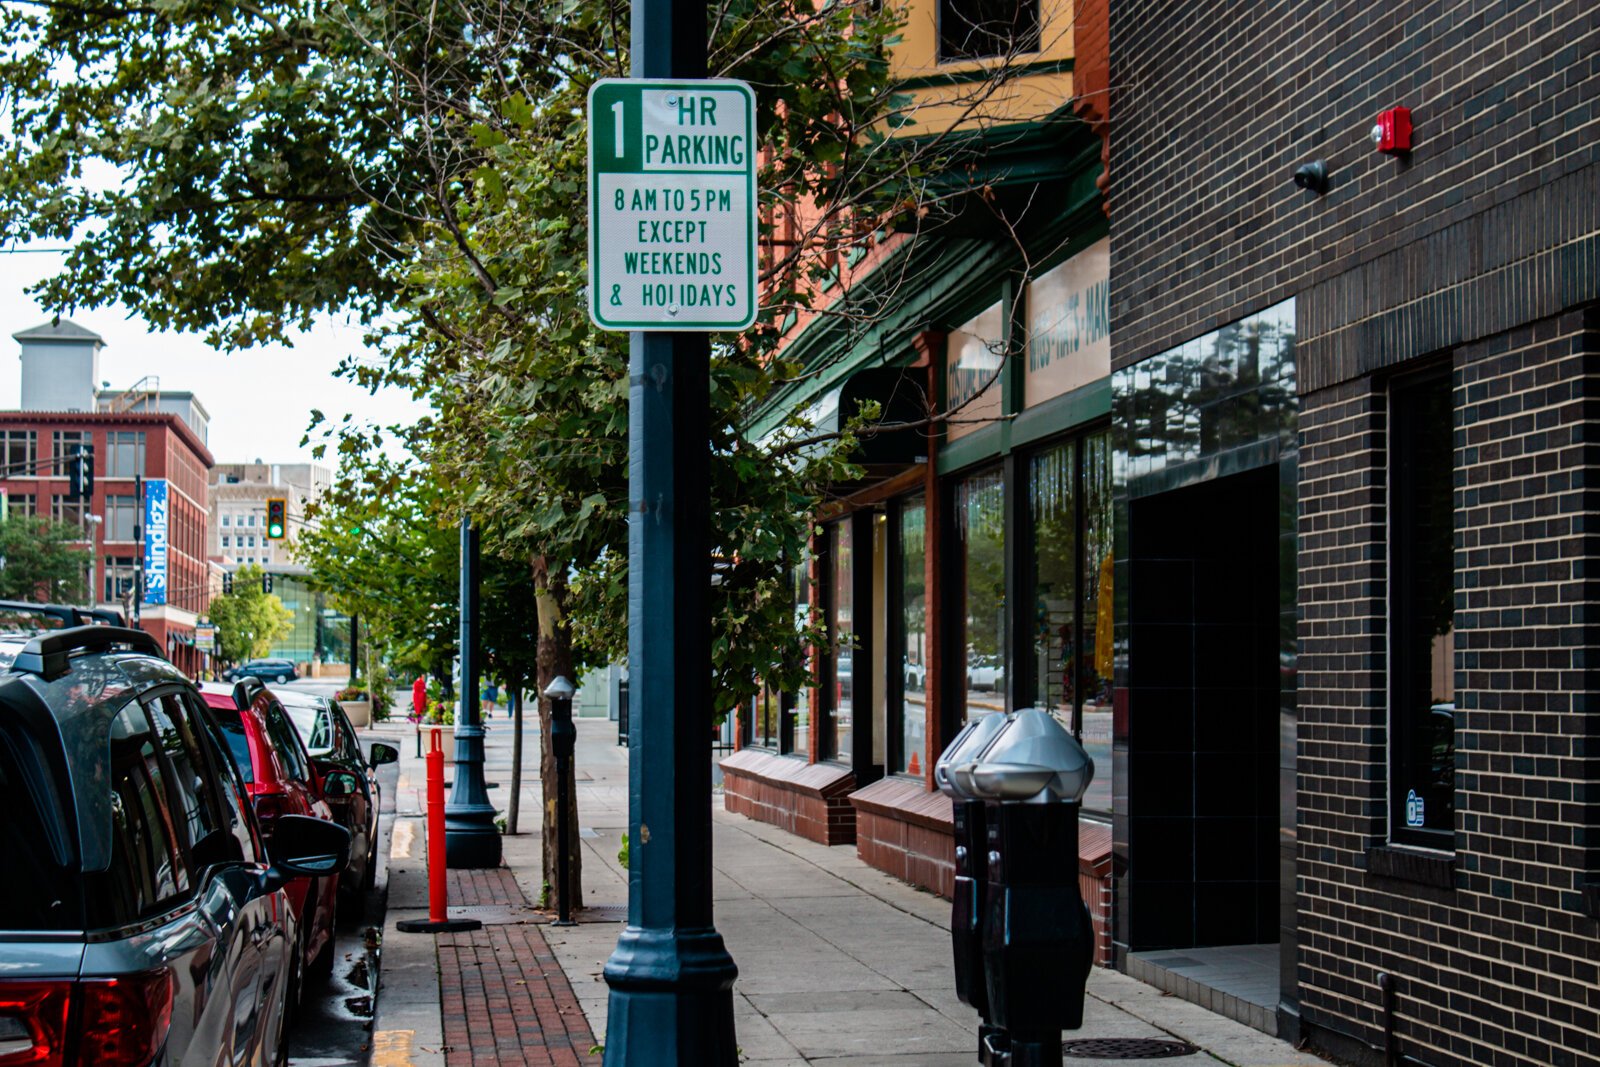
[
  {"x": 438, "y": 905},
  {"x": 438, "y": 920}
]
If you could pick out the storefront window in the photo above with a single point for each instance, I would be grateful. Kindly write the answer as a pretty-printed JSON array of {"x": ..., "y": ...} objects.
[
  {"x": 1093, "y": 724},
  {"x": 1053, "y": 481},
  {"x": 800, "y": 711},
  {"x": 1070, "y": 501},
  {"x": 766, "y": 709},
  {"x": 980, "y": 528},
  {"x": 841, "y": 630},
  {"x": 914, "y": 625}
]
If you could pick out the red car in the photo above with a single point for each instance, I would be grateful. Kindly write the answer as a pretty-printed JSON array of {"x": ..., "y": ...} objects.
[{"x": 281, "y": 780}]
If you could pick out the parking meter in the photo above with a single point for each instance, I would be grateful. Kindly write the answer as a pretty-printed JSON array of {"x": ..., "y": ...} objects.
[
  {"x": 1038, "y": 943},
  {"x": 563, "y": 742},
  {"x": 969, "y": 890}
]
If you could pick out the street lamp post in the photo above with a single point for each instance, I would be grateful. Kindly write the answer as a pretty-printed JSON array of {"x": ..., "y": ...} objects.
[
  {"x": 671, "y": 977},
  {"x": 471, "y": 838}
]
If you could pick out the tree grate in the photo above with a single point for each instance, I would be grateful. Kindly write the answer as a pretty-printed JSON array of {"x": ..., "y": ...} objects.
[{"x": 1126, "y": 1048}]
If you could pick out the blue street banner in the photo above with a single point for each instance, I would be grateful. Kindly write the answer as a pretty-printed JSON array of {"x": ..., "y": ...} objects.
[{"x": 155, "y": 541}]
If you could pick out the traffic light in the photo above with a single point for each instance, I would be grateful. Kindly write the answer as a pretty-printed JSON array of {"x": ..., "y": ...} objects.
[
  {"x": 80, "y": 473},
  {"x": 277, "y": 518},
  {"x": 227, "y": 583},
  {"x": 266, "y": 583}
]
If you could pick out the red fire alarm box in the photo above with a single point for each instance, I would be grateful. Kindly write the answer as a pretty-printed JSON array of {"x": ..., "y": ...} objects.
[{"x": 1392, "y": 132}]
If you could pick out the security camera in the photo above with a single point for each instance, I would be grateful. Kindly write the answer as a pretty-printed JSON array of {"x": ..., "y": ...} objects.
[{"x": 1313, "y": 176}]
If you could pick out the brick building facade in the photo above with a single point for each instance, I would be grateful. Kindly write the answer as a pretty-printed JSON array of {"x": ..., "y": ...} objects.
[{"x": 1425, "y": 463}]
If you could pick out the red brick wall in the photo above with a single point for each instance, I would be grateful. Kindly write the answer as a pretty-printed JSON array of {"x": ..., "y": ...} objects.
[
  {"x": 903, "y": 830},
  {"x": 808, "y": 799}
]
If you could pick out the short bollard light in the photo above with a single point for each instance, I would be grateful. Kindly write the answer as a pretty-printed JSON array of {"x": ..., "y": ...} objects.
[
  {"x": 563, "y": 743},
  {"x": 1038, "y": 942}
]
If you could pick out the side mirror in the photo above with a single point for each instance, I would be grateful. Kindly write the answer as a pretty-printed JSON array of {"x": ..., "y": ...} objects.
[
  {"x": 382, "y": 753},
  {"x": 303, "y": 846},
  {"x": 340, "y": 784}
]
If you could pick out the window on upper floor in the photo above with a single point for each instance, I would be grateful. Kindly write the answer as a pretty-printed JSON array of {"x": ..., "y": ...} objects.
[
  {"x": 125, "y": 454},
  {"x": 120, "y": 518},
  {"x": 227, "y": 520},
  {"x": 18, "y": 451},
  {"x": 987, "y": 29}
]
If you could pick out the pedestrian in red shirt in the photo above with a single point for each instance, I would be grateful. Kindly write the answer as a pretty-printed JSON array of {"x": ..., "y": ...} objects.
[{"x": 419, "y": 697}]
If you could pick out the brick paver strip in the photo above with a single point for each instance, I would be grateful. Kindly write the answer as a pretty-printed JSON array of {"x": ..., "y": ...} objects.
[{"x": 503, "y": 997}]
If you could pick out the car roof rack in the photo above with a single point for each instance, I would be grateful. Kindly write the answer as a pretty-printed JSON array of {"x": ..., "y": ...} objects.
[{"x": 47, "y": 655}]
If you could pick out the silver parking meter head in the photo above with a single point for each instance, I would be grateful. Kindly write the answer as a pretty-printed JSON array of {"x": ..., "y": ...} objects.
[
  {"x": 559, "y": 688},
  {"x": 1033, "y": 760},
  {"x": 968, "y": 743}
]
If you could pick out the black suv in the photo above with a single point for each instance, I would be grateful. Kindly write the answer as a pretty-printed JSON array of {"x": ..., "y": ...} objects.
[
  {"x": 268, "y": 670},
  {"x": 150, "y": 926}
]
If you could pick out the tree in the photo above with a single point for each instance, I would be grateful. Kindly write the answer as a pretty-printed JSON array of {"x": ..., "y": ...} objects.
[
  {"x": 249, "y": 621},
  {"x": 38, "y": 560},
  {"x": 427, "y": 162}
]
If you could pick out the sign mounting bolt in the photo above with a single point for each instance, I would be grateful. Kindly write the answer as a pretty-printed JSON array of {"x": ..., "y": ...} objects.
[{"x": 672, "y": 309}]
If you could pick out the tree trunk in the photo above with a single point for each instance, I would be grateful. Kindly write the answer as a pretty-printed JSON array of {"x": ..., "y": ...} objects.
[
  {"x": 515, "y": 681},
  {"x": 554, "y": 658}
]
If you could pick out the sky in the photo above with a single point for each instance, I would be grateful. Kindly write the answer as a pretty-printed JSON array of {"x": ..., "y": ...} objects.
[{"x": 260, "y": 401}]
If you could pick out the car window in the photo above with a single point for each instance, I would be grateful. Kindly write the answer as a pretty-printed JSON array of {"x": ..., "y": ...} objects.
[
  {"x": 313, "y": 727},
  {"x": 197, "y": 808},
  {"x": 47, "y": 899},
  {"x": 230, "y": 782},
  {"x": 283, "y": 738},
  {"x": 231, "y": 726},
  {"x": 147, "y": 873}
]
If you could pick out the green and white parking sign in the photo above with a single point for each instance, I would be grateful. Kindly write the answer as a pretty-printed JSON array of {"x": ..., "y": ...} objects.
[{"x": 672, "y": 205}]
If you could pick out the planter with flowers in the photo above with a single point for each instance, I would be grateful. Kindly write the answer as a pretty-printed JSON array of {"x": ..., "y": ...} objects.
[
  {"x": 357, "y": 704},
  {"x": 439, "y": 719}
]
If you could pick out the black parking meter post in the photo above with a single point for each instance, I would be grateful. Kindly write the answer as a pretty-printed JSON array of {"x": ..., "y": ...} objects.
[
  {"x": 563, "y": 743},
  {"x": 1037, "y": 970},
  {"x": 968, "y": 905}
]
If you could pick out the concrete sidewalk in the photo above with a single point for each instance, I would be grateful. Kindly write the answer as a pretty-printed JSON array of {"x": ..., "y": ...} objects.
[{"x": 839, "y": 964}]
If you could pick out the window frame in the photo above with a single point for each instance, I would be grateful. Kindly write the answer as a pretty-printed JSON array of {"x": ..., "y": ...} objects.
[
  {"x": 1400, "y": 601},
  {"x": 1030, "y": 41}
]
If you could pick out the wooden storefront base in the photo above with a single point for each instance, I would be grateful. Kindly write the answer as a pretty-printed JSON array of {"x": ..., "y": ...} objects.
[{"x": 808, "y": 799}]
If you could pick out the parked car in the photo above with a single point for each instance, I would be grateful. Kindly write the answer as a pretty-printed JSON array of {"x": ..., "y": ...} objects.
[
  {"x": 349, "y": 782},
  {"x": 141, "y": 921},
  {"x": 280, "y": 780},
  {"x": 986, "y": 673},
  {"x": 273, "y": 670}
]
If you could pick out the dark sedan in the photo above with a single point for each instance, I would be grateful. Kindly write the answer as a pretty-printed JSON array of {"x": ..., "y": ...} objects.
[
  {"x": 349, "y": 781},
  {"x": 267, "y": 670}
]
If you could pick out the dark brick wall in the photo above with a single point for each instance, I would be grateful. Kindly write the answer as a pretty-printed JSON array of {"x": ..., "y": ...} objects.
[
  {"x": 1494, "y": 954},
  {"x": 1482, "y": 248},
  {"x": 1491, "y": 221}
]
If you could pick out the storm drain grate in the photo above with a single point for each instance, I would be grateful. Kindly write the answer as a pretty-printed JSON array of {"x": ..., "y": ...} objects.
[{"x": 1126, "y": 1048}]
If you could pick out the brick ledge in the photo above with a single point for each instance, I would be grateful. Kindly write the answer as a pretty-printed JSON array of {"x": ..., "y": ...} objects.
[{"x": 822, "y": 780}]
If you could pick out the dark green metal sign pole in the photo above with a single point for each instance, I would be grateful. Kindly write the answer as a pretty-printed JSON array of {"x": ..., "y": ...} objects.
[
  {"x": 471, "y": 838},
  {"x": 671, "y": 978}
]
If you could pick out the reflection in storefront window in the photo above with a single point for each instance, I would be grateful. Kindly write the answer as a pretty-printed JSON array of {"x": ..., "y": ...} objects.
[
  {"x": 1095, "y": 645},
  {"x": 1070, "y": 500},
  {"x": 841, "y": 629},
  {"x": 1055, "y": 579},
  {"x": 914, "y": 622},
  {"x": 980, "y": 526},
  {"x": 800, "y": 741}
]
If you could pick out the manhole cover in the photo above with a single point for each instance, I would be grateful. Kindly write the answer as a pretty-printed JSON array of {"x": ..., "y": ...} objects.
[
  {"x": 1126, "y": 1048},
  {"x": 604, "y": 913}
]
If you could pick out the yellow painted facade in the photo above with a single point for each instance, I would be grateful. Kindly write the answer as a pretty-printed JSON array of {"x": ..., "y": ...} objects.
[{"x": 968, "y": 93}]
